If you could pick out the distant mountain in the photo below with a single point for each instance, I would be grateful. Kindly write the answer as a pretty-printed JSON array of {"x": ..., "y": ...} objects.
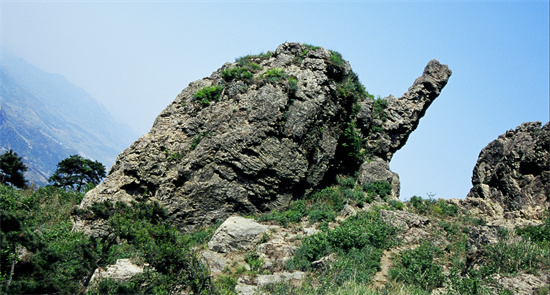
[{"x": 45, "y": 118}]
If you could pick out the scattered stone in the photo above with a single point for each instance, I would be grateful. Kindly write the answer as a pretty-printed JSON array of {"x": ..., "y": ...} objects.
[{"x": 122, "y": 271}]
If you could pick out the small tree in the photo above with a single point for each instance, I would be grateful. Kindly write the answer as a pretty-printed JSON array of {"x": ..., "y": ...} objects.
[
  {"x": 11, "y": 169},
  {"x": 75, "y": 172}
]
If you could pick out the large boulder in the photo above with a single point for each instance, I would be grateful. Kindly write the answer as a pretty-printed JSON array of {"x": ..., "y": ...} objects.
[
  {"x": 511, "y": 178},
  {"x": 260, "y": 132}
]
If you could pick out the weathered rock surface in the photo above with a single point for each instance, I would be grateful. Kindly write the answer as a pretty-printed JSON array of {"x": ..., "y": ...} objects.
[
  {"x": 511, "y": 179},
  {"x": 237, "y": 234},
  {"x": 123, "y": 270},
  {"x": 389, "y": 130},
  {"x": 273, "y": 129}
]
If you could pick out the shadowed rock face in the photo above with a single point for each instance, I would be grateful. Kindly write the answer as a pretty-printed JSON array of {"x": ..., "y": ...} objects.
[
  {"x": 511, "y": 178},
  {"x": 260, "y": 132}
]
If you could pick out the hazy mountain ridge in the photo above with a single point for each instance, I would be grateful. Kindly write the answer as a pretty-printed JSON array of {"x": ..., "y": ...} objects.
[{"x": 45, "y": 118}]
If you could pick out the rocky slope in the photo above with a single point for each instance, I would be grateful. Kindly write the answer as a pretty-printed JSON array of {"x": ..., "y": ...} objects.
[
  {"x": 261, "y": 132},
  {"x": 511, "y": 179},
  {"x": 45, "y": 119}
]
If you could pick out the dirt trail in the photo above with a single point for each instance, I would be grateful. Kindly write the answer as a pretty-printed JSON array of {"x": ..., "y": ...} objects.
[{"x": 382, "y": 277}]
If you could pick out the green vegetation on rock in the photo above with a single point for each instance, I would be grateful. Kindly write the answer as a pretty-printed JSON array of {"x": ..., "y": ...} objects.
[{"x": 208, "y": 94}]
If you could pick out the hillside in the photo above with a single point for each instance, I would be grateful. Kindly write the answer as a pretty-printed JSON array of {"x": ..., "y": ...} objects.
[
  {"x": 45, "y": 118},
  {"x": 271, "y": 176}
]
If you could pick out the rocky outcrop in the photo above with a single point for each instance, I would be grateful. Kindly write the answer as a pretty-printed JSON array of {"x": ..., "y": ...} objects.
[
  {"x": 389, "y": 122},
  {"x": 511, "y": 178},
  {"x": 262, "y": 131}
]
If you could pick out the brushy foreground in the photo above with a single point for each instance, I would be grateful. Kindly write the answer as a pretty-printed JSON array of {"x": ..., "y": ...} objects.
[{"x": 41, "y": 254}]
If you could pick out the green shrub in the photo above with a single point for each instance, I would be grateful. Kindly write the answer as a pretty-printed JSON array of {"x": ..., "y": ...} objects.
[
  {"x": 226, "y": 284},
  {"x": 449, "y": 227},
  {"x": 237, "y": 73},
  {"x": 347, "y": 182},
  {"x": 357, "y": 265},
  {"x": 274, "y": 75},
  {"x": 337, "y": 58},
  {"x": 254, "y": 261},
  {"x": 294, "y": 214},
  {"x": 292, "y": 84},
  {"x": 379, "y": 109},
  {"x": 208, "y": 94},
  {"x": 396, "y": 204},
  {"x": 378, "y": 188},
  {"x": 321, "y": 212},
  {"x": 331, "y": 196},
  {"x": 470, "y": 283},
  {"x": 537, "y": 233},
  {"x": 310, "y": 47},
  {"x": 417, "y": 267},
  {"x": 358, "y": 232},
  {"x": 420, "y": 205}
]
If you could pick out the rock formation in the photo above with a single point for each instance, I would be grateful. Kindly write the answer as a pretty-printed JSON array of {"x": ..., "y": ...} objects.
[
  {"x": 262, "y": 131},
  {"x": 511, "y": 178}
]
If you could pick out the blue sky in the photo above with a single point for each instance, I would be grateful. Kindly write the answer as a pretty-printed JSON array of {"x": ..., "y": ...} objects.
[{"x": 136, "y": 56}]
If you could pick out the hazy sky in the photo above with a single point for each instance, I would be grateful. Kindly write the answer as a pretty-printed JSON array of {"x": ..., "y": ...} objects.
[{"x": 136, "y": 56}]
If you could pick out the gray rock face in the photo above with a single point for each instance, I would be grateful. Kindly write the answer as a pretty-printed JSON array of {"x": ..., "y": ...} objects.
[
  {"x": 260, "y": 132},
  {"x": 511, "y": 178}
]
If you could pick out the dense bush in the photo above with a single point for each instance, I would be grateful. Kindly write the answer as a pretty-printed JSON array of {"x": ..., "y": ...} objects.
[
  {"x": 36, "y": 242},
  {"x": 378, "y": 188},
  {"x": 417, "y": 267},
  {"x": 47, "y": 257},
  {"x": 365, "y": 232}
]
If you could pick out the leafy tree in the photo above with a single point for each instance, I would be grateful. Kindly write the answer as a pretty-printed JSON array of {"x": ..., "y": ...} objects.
[
  {"x": 11, "y": 169},
  {"x": 76, "y": 172}
]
